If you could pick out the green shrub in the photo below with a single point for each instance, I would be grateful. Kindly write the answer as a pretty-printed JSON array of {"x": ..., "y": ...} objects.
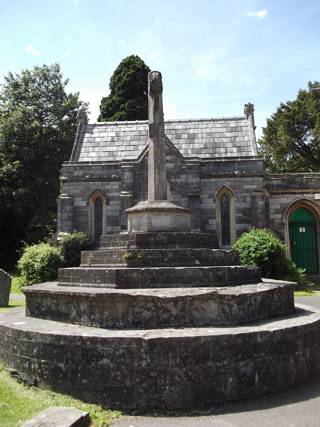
[
  {"x": 262, "y": 248},
  {"x": 40, "y": 263},
  {"x": 71, "y": 247}
]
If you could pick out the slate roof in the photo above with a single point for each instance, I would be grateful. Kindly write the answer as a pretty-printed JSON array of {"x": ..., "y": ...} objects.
[{"x": 204, "y": 138}]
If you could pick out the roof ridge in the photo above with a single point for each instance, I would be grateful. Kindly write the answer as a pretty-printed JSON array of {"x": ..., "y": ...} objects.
[
  {"x": 129, "y": 122},
  {"x": 205, "y": 119}
]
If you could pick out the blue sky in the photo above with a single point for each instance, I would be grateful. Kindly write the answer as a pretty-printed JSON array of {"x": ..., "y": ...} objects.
[{"x": 214, "y": 55}]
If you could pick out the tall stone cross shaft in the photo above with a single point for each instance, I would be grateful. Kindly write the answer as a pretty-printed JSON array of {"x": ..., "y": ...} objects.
[{"x": 157, "y": 181}]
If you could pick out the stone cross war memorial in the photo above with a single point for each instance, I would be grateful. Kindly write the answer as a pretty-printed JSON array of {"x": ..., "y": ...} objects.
[{"x": 161, "y": 314}]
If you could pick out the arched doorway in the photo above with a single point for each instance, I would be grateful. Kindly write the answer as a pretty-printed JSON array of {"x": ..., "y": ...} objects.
[{"x": 303, "y": 239}]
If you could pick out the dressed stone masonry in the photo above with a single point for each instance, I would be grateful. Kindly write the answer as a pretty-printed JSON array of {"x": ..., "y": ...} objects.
[
  {"x": 161, "y": 316},
  {"x": 157, "y": 213}
]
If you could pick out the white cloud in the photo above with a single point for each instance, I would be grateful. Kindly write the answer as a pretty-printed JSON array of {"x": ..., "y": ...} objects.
[
  {"x": 259, "y": 14},
  {"x": 76, "y": 2},
  {"x": 31, "y": 50}
]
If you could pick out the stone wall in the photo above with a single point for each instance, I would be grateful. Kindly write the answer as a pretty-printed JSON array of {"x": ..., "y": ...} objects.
[
  {"x": 191, "y": 184},
  {"x": 78, "y": 182},
  {"x": 245, "y": 179},
  {"x": 260, "y": 199}
]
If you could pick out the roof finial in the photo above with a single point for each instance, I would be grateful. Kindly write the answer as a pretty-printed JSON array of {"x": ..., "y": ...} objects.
[
  {"x": 249, "y": 112},
  {"x": 82, "y": 117}
]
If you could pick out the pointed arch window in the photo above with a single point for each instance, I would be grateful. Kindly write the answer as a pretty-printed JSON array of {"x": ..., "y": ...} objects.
[
  {"x": 225, "y": 220},
  {"x": 225, "y": 215},
  {"x": 97, "y": 215}
]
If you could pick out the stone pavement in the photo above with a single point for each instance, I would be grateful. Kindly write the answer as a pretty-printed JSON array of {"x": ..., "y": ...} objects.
[{"x": 296, "y": 407}]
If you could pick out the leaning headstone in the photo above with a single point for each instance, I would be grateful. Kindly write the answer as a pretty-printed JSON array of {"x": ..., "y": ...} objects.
[
  {"x": 59, "y": 416},
  {"x": 5, "y": 287}
]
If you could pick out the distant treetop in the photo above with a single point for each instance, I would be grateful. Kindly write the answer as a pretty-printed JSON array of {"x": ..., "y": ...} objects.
[
  {"x": 128, "y": 98},
  {"x": 291, "y": 139}
]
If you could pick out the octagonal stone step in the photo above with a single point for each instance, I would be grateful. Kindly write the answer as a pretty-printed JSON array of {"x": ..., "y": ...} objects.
[
  {"x": 170, "y": 369},
  {"x": 158, "y": 257},
  {"x": 159, "y": 308},
  {"x": 159, "y": 240},
  {"x": 159, "y": 277}
]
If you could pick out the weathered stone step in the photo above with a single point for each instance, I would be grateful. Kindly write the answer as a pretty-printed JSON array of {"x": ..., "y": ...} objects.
[
  {"x": 159, "y": 308},
  {"x": 163, "y": 368},
  {"x": 160, "y": 277},
  {"x": 60, "y": 416},
  {"x": 159, "y": 257},
  {"x": 159, "y": 240}
]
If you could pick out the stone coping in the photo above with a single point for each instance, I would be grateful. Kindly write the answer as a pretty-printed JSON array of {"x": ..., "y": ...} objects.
[
  {"x": 245, "y": 289},
  {"x": 155, "y": 206},
  {"x": 163, "y": 239},
  {"x": 162, "y": 308},
  {"x": 163, "y": 268},
  {"x": 276, "y": 281},
  {"x": 16, "y": 319}
]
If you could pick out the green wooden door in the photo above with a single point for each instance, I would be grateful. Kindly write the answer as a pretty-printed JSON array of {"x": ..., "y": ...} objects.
[{"x": 303, "y": 240}]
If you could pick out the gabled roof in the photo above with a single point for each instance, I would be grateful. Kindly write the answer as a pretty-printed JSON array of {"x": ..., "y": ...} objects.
[{"x": 203, "y": 138}]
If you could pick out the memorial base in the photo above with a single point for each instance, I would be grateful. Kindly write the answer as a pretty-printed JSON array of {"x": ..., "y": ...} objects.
[{"x": 159, "y": 215}]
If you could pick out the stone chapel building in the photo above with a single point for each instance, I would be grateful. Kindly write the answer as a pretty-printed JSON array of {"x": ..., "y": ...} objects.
[{"x": 213, "y": 169}]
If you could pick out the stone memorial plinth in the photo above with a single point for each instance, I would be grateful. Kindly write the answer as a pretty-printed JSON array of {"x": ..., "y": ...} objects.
[
  {"x": 5, "y": 288},
  {"x": 158, "y": 215}
]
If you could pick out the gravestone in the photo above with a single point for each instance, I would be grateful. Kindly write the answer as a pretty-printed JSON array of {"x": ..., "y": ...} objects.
[{"x": 5, "y": 287}]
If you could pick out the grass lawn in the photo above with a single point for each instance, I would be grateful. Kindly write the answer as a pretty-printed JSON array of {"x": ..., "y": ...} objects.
[
  {"x": 305, "y": 293},
  {"x": 15, "y": 300},
  {"x": 16, "y": 283},
  {"x": 18, "y": 403},
  {"x": 309, "y": 290}
]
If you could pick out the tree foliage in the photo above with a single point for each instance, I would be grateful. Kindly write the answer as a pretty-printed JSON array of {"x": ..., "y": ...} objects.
[
  {"x": 37, "y": 130},
  {"x": 291, "y": 139},
  {"x": 128, "y": 98},
  {"x": 262, "y": 248},
  {"x": 40, "y": 263},
  {"x": 71, "y": 247}
]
